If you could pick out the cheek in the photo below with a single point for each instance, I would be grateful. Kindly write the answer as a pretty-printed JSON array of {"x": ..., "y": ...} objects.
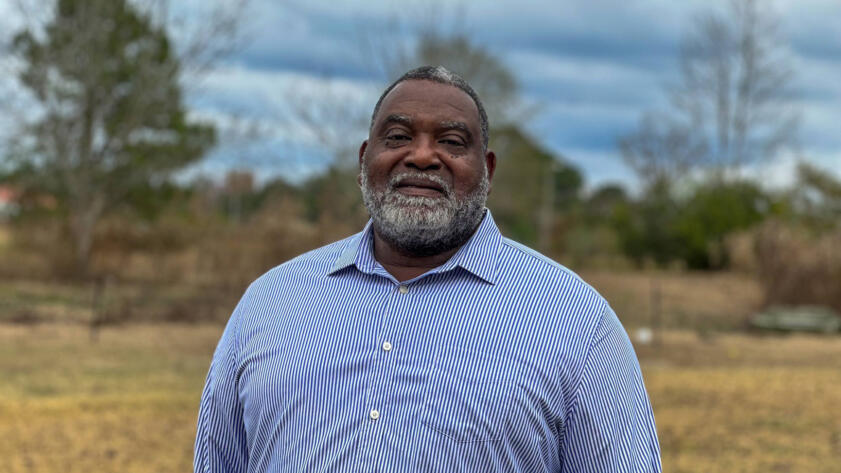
[
  {"x": 467, "y": 178},
  {"x": 378, "y": 166},
  {"x": 374, "y": 177}
]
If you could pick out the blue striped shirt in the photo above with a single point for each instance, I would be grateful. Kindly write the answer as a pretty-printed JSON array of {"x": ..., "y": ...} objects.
[{"x": 500, "y": 360}]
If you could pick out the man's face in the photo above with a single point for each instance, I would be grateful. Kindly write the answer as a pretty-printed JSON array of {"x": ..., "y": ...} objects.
[{"x": 424, "y": 174}]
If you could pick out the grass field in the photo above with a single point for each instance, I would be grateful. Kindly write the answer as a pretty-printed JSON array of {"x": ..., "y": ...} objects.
[
  {"x": 124, "y": 404},
  {"x": 702, "y": 301},
  {"x": 724, "y": 401},
  {"x": 740, "y": 403}
]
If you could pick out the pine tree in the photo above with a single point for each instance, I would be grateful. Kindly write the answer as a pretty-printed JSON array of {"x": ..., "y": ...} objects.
[{"x": 111, "y": 117}]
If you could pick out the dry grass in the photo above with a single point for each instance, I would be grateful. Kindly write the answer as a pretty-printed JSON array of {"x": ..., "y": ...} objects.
[
  {"x": 724, "y": 401},
  {"x": 125, "y": 404},
  {"x": 797, "y": 266},
  {"x": 5, "y": 237},
  {"x": 741, "y": 403},
  {"x": 64, "y": 302},
  {"x": 733, "y": 403},
  {"x": 700, "y": 301}
]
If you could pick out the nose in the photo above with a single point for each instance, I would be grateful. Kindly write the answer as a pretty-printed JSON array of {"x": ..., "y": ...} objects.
[{"x": 423, "y": 156}]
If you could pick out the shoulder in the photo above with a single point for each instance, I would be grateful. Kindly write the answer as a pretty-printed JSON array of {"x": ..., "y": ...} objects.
[
  {"x": 548, "y": 295},
  {"x": 305, "y": 268},
  {"x": 566, "y": 316},
  {"x": 528, "y": 269}
]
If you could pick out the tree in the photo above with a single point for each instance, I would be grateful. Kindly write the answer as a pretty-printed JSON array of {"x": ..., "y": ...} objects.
[
  {"x": 817, "y": 197},
  {"x": 660, "y": 152},
  {"x": 111, "y": 116},
  {"x": 729, "y": 107},
  {"x": 530, "y": 186},
  {"x": 646, "y": 228},
  {"x": 712, "y": 213},
  {"x": 692, "y": 230},
  {"x": 423, "y": 36},
  {"x": 492, "y": 80}
]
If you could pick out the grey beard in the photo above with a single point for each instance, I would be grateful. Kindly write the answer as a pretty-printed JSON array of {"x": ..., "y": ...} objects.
[{"x": 424, "y": 226}]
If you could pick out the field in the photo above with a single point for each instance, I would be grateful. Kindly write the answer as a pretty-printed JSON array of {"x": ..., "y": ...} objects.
[
  {"x": 723, "y": 400},
  {"x": 124, "y": 404}
]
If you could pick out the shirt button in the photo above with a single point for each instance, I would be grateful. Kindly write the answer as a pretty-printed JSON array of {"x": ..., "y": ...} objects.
[
  {"x": 387, "y": 346},
  {"x": 404, "y": 289},
  {"x": 374, "y": 414}
]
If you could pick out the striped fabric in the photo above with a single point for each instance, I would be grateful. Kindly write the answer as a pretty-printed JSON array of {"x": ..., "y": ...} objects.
[{"x": 500, "y": 360}]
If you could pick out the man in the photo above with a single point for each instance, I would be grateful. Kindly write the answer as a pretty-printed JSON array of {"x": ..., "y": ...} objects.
[{"x": 427, "y": 342}]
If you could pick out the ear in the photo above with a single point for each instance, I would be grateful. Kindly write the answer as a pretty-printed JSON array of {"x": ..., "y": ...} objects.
[
  {"x": 362, "y": 149},
  {"x": 490, "y": 161}
]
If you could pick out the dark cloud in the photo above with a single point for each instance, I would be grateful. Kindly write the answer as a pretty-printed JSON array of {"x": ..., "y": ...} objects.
[
  {"x": 582, "y": 127},
  {"x": 814, "y": 29},
  {"x": 591, "y": 68}
]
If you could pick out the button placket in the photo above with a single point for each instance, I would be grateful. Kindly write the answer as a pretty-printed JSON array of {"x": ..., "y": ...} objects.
[
  {"x": 389, "y": 327},
  {"x": 381, "y": 380}
]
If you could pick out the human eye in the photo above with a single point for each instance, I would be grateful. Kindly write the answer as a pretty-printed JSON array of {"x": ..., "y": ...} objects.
[
  {"x": 396, "y": 138},
  {"x": 453, "y": 141}
]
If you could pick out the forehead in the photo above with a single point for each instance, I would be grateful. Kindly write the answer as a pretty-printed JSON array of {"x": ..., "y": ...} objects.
[{"x": 427, "y": 99}]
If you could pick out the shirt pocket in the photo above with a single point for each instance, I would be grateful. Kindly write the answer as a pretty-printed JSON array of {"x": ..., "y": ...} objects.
[{"x": 467, "y": 397}]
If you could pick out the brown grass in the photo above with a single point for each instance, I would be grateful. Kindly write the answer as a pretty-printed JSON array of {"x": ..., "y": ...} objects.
[
  {"x": 746, "y": 403},
  {"x": 798, "y": 266},
  {"x": 65, "y": 302},
  {"x": 723, "y": 401},
  {"x": 5, "y": 236},
  {"x": 700, "y": 301},
  {"x": 727, "y": 402},
  {"x": 125, "y": 404}
]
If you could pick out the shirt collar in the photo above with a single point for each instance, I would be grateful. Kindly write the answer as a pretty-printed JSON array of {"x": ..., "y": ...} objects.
[{"x": 478, "y": 256}]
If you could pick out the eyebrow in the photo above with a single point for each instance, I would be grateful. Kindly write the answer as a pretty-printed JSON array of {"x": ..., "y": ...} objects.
[
  {"x": 399, "y": 119},
  {"x": 455, "y": 125},
  {"x": 452, "y": 125}
]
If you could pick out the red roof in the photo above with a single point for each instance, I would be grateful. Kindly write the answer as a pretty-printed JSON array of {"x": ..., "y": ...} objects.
[{"x": 7, "y": 195}]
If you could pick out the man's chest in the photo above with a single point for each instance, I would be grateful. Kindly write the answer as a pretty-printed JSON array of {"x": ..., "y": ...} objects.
[{"x": 397, "y": 378}]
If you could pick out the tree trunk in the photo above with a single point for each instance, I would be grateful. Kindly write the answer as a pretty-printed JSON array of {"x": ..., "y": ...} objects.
[{"x": 83, "y": 223}]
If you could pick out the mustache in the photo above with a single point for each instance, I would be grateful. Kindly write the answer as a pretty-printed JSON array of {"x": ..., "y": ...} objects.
[{"x": 397, "y": 178}]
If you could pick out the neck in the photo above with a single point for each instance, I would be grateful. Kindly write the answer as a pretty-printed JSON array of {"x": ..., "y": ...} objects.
[{"x": 402, "y": 266}]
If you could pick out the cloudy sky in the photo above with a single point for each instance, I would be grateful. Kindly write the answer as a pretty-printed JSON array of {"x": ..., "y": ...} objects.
[{"x": 590, "y": 68}]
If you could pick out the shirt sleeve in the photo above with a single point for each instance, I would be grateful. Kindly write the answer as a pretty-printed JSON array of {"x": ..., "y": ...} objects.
[
  {"x": 611, "y": 425},
  {"x": 221, "y": 445}
]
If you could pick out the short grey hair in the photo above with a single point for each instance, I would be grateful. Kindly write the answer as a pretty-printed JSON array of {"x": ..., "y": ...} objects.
[{"x": 441, "y": 75}]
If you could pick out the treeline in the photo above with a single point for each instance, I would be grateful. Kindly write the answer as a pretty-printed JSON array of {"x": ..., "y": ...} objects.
[
  {"x": 92, "y": 174},
  {"x": 221, "y": 235},
  {"x": 536, "y": 198}
]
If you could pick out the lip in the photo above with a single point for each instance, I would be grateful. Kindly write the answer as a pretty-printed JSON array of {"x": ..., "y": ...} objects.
[{"x": 419, "y": 187}]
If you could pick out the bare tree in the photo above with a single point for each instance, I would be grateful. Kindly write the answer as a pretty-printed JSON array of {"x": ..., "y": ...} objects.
[
  {"x": 817, "y": 196},
  {"x": 730, "y": 106},
  {"x": 428, "y": 39},
  {"x": 204, "y": 34},
  {"x": 332, "y": 115},
  {"x": 661, "y": 151},
  {"x": 483, "y": 70}
]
